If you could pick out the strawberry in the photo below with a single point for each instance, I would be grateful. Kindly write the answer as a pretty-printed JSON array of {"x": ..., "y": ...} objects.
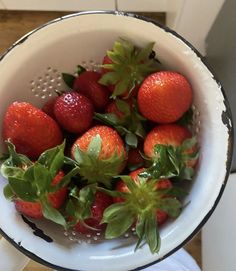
[
  {"x": 74, "y": 112},
  {"x": 172, "y": 149},
  {"x": 135, "y": 159},
  {"x": 87, "y": 217},
  {"x": 100, "y": 154},
  {"x": 145, "y": 203},
  {"x": 55, "y": 199},
  {"x": 87, "y": 84},
  {"x": 124, "y": 117},
  {"x": 125, "y": 67},
  {"x": 30, "y": 129},
  {"x": 48, "y": 107},
  {"x": 162, "y": 216},
  {"x": 37, "y": 188},
  {"x": 164, "y": 96}
]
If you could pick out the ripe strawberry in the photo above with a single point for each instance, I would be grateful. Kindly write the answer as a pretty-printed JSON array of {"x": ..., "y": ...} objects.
[
  {"x": 125, "y": 67},
  {"x": 30, "y": 129},
  {"x": 173, "y": 150},
  {"x": 100, "y": 153},
  {"x": 74, "y": 112},
  {"x": 48, "y": 107},
  {"x": 38, "y": 188},
  {"x": 100, "y": 202},
  {"x": 162, "y": 216},
  {"x": 164, "y": 96},
  {"x": 87, "y": 84},
  {"x": 55, "y": 199},
  {"x": 142, "y": 202},
  {"x": 135, "y": 160}
]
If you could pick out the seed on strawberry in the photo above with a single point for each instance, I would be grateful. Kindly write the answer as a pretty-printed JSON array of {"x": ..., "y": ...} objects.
[
  {"x": 74, "y": 112},
  {"x": 87, "y": 84},
  {"x": 164, "y": 96},
  {"x": 30, "y": 129},
  {"x": 100, "y": 153}
]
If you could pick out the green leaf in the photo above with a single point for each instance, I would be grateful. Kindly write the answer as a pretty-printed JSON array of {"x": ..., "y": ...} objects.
[
  {"x": 53, "y": 159},
  {"x": 152, "y": 233},
  {"x": 68, "y": 79},
  {"x": 171, "y": 206},
  {"x": 65, "y": 180},
  {"x": 109, "y": 118},
  {"x": 123, "y": 106},
  {"x": 23, "y": 189},
  {"x": 80, "y": 69},
  {"x": 51, "y": 213},
  {"x": 112, "y": 193},
  {"x": 109, "y": 78},
  {"x": 80, "y": 203},
  {"x": 8, "y": 193},
  {"x": 187, "y": 173},
  {"x": 94, "y": 147},
  {"x": 112, "y": 210},
  {"x": 189, "y": 143},
  {"x": 120, "y": 88},
  {"x": 42, "y": 178},
  {"x": 11, "y": 171},
  {"x": 15, "y": 159},
  {"x": 131, "y": 140},
  {"x": 140, "y": 230},
  {"x": 118, "y": 218},
  {"x": 129, "y": 182}
]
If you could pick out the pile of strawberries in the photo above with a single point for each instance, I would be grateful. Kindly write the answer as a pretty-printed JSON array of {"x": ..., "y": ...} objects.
[{"x": 110, "y": 154}]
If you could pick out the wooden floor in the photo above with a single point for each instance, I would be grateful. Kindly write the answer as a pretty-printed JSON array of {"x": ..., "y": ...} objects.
[{"x": 13, "y": 25}]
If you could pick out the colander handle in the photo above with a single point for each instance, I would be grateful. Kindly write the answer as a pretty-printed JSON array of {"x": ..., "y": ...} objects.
[{"x": 10, "y": 258}]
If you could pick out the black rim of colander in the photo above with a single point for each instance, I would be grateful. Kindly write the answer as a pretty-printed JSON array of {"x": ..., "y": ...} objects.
[{"x": 226, "y": 118}]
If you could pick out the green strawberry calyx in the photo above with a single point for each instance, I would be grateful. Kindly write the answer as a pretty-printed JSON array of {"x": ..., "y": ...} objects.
[
  {"x": 173, "y": 161},
  {"x": 130, "y": 125},
  {"x": 139, "y": 208},
  {"x": 78, "y": 207},
  {"x": 32, "y": 181},
  {"x": 130, "y": 65},
  {"x": 94, "y": 169}
]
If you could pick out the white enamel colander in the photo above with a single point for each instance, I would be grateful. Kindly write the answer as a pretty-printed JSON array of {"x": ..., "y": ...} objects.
[{"x": 31, "y": 71}]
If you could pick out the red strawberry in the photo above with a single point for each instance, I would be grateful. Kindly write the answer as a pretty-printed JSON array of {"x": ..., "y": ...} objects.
[
  {"x": 143, "y": 203},
  {"x": 30, "y": 129},
  {"x": 134, "y": 158},
  {"x": 125, "y": 67},
  {"x": 172, "y": 148},
  {"x": 74, "y": 112},
  {"x": 164, "y": 96},
  {"x": 162, "y": 216},
  {"x": 56, "y": 200},
  {"x": 87, "y": 84},
  {"x": 100, "y": 203},
  {"x": 48, "y": 107},
  {"x": 100, "y": 153}
]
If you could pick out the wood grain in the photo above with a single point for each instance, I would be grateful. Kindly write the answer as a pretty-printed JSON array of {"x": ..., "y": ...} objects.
[{"x": 15, "y": 24}]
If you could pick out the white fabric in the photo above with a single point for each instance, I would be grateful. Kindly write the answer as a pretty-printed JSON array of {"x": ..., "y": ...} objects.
[{"x": 179, "y": 261}]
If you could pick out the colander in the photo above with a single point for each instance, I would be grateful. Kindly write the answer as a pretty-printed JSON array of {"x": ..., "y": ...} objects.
[{"x": 31, "y": 71}]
